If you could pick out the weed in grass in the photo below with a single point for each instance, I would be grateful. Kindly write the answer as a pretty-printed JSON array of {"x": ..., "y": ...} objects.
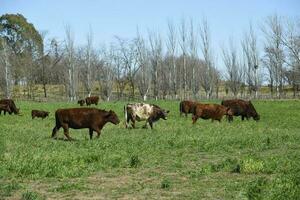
[
  {"x": 8, "y": 189},
  {"x": 29, "y": 195},
  {"x": 252, "y": 166},
  {"x": 134, "y": 161},
  {"x": 255, "y": 188},
  {"x": 165, "y": 184}
]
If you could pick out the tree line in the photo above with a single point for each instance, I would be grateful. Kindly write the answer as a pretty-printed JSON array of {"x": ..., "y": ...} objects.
[{"x": 178, "y": 65}]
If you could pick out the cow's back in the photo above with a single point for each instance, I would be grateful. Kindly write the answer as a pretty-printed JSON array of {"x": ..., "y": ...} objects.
[{"x": 78, "y": 117}]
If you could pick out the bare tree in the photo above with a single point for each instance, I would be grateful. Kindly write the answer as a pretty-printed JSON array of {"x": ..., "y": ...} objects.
[
  {"x": 70, "y": 63},
  {"x": 194, "y": 65},
  {"x": 251, "y": 56},
  {"x": 183, "y": 47},
  {"x": 143, "y": 77},
  {"x": 233, "y": 69},
  {"x": 106, "y": 73},
  {"x": 172, "y": 48},
  {"x": 120, "y": 71},
  {"x": 273, "y": 31},
  {"x": 208, "y": 74},
  {"x": 155, "y": 58},
  {"x": 4, "y": 61},
  {"x": 129, "y": 60},
  {"x": 291, "y": 41},
  {"x": 88, "y": 62}
]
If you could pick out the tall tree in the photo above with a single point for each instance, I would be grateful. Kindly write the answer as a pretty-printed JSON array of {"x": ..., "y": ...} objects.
[
  {"x": 156, "y": 59},
  {"x": 171, "y": 51},
  {"x": 251, "y": 56},
  {"x": 70, "y": 63},
  {"x": 233, "y": 69},
  {"x": 183, "y": 46},
  {"x": 208, "y": 72},
  {"x": 273, "y": 30},
  {"x": 5, "y": 63}
]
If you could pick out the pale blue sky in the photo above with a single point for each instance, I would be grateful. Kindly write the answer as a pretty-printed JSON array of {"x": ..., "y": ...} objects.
[{"x": 120, "y": 17}]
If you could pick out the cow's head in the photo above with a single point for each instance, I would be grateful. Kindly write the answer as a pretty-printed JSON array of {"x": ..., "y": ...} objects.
[
  {"x": 229, "y": 111},
  {"x": 17, "y": 111},
  {"x": 163, "y": 114},
  {"x": 112, "y": 117},
  {"x": 252, "y": 112},
  {"x": 81, "y": 102}
]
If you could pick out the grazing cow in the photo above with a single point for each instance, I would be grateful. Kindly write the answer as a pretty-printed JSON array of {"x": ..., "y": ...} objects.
[
  {"x": 143, "y": 112},
  {"x": 81, "y": 102},
  {"x": 5, "y": 108},
  {"x": 241, "y": 108},
  {"x": 77, "y": 118},
  {"x": 210, "y": 111},
  {"x": 92, "y": 100},
  {"x": 11, "y": 104},
  {"x": 39, "y": 113},
  {"x": 187, "y": 107}
]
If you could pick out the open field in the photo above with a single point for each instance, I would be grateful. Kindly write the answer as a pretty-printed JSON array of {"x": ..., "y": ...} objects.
[{"x": 176, "y": 160}]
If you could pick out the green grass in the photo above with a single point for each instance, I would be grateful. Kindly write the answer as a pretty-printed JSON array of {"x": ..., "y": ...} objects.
[{"x": 176, "y": 160}]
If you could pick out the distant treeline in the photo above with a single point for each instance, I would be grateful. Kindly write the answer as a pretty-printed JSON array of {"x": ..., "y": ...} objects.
[{"x": 180, "y": 64}]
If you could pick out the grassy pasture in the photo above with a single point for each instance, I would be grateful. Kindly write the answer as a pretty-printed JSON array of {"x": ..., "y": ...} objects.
[{"x": 176, "y": 160}]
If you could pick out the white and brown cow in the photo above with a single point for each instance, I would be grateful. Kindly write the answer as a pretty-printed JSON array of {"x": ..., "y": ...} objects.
[{"x": 143, "y": 112}]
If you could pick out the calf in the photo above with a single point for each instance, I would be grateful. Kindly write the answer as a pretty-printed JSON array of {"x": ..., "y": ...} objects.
[
  {"x": 11, "y": 104},
  {"x": 5, "y": 108},
  {"x": 81, "y": 102},
  {"x": 92, "y": 100},
  {"x": 187, "y": 107},
  {"x": 210, "y": 111},
  {"x": 143, "y": 112},
  {"x": 39, "y": 113},
  {"x": 78, "y": 118},
  {"x": 242, "y": 108}
]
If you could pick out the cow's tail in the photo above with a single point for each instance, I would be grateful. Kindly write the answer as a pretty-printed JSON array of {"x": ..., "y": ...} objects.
[
  {"x": 57, "y": 125},
  {"x": 126, "y": 116},
  {"x": 181, "y": 108}
]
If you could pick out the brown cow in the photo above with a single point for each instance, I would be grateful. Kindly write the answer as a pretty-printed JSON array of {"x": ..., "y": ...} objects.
[
  {"x": 187, "y": 107},
  {"x": 77, "y": 118},
  {"x": 5, "y": 108},
  {"x": 241, "y": 108},
  {"x": 143, "y": 112},
  {"x": 11, "y": 105},
  {"x": 81, "y": 102},
  {"x": 210, "y": 111},
  {"x": 39, "y": 113},
  {"x": 92, "y": 100}
]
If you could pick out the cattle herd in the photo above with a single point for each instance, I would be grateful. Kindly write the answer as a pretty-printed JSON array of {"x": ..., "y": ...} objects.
[{"x": 94, "y": 119}]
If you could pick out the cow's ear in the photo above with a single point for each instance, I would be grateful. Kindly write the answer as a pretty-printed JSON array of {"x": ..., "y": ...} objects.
[{"x": 167, "y": 111}]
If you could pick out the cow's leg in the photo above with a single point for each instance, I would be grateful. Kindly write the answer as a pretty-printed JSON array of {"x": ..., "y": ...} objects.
[
  {"x": 91, "y": 133},
  {"x": 145, "y": 126},
  {"x": 98, "y": 132},
  {"x": 229, "y": 118},
  {"x": 66, "y": 131},
  {"x": 54, "y": 131},
  {"x": 127, "y": 120},
  {"x": 133, "y": 122},
  {"x": 194, "y": 118},
  {"x": 151, "y": 124},
  {"x": 243, "y": 117}
]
